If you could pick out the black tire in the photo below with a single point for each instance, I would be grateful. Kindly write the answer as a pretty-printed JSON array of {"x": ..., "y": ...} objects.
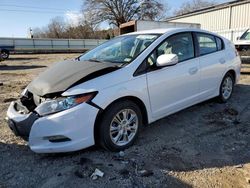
[
  {"x": 221, "y": 97},
  {"x": 5, "y": 54},
  {"x": 105, "y": 139}
]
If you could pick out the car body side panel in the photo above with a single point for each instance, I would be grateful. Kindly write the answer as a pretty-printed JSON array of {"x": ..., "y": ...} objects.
[
  {"x": 233, "y": 60},
  {"x": 211, "y": 73},
  {"x": 174, "y": 87},
  {"x": 135, "y": 87},
  {"x": 107, "y": 93}
]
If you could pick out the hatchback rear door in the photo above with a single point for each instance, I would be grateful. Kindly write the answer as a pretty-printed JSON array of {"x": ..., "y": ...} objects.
[{"x": 212, "y": 63}]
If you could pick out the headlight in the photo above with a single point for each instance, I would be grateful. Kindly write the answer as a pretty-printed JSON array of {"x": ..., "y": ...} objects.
[{"x": 56, "y": 105}]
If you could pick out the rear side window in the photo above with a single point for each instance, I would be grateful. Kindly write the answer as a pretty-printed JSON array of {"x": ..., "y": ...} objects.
[{"x": 207, "y": 43}]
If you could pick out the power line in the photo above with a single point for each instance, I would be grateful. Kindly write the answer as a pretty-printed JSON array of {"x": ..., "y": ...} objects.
[
  {"x": 30, "y": 7},
  {"x": 33, "y": 11}
]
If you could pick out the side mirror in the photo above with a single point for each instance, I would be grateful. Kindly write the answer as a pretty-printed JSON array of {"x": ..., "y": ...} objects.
[
  {"x": 238, "y": 38},
  {"x": 166, "y": 60}
]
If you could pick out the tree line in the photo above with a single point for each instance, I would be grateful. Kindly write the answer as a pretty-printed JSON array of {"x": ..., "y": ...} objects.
[{"x": 113, "y": 13}]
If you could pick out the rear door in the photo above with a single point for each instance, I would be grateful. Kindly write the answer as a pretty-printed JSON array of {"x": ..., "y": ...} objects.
[
  {"x": 212, "y": 63},
  {"x": 174, "y": 87}
]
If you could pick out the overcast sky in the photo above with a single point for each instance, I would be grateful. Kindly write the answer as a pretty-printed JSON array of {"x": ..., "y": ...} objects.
[{"x": 17, "y": 16}]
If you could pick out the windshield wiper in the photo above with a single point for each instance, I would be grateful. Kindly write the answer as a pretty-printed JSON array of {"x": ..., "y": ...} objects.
[
  {"x": 95, "y": 60},
  {"x": 105, "y": 61}
]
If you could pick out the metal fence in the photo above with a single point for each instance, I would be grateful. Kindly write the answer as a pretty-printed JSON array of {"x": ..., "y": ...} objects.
[
  {"x": 50, "y": 45},
  {"x": 79, "y": 45}
]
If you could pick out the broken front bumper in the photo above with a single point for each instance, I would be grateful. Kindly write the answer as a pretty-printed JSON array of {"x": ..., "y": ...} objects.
[
  {"x": 20, "y": 124},
  {"x": 65, "y": 131}
]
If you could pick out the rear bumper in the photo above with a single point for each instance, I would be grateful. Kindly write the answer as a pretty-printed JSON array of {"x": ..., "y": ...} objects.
[{"x": 74, "y": 129}]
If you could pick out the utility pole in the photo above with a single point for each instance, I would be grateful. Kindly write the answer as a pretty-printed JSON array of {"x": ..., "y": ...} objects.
[{"x": 31, "y": 34}]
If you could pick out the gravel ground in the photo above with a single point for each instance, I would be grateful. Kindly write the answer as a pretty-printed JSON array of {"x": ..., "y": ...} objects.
[{"x": 207, "y": 145}]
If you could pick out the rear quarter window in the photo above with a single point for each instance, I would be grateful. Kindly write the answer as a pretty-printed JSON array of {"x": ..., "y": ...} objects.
[{"x": 220, "y": 44}]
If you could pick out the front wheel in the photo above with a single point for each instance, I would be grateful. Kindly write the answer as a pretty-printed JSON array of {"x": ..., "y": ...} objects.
[
  {"x": 226, "y": 88},
  {"x": 120, "y": 125}
]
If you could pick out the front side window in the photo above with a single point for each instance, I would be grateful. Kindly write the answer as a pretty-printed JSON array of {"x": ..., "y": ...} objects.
[
  {"x": 179, "y": 44},
  {"x": 123, "y": 49},
  {"x": 207, "y": 43}
]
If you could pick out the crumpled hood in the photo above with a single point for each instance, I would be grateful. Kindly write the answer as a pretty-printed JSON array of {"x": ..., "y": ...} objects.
[{"x": 62, "y": 75}]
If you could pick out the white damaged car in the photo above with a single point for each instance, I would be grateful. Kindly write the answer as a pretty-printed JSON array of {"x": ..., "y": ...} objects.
[{"x": 106, "y": 95}]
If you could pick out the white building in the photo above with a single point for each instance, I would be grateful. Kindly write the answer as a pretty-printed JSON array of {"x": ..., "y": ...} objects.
[{"x": 228, "y": 19}]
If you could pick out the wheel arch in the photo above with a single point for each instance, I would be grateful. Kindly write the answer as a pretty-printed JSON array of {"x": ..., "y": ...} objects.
[
  {"x": 134, "y": 99},
  {"x": 5, "y": 50},
  {"x": 232, "y": 72}
]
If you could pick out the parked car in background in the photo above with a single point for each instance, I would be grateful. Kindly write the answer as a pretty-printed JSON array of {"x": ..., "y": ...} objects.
[
  {"x": 108, "y": 94},
  {"x": 5, "y": 51},
  {"x": 243, "y": 43}
]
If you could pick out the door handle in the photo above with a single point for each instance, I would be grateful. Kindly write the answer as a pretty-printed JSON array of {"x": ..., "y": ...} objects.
[
  {"x": 193, "y": 70},
  {"x": 222, "y": 61}
]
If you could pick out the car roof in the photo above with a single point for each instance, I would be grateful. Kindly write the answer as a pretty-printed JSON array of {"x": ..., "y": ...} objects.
[
  {"x": 173, "y": 30},
  {"x": 167, "y": 30}
]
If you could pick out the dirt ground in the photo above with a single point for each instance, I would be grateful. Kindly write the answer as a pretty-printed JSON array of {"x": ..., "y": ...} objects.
[{"x": 207, "y": 145}]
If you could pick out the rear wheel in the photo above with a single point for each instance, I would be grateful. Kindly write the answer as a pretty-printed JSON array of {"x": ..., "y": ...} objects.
[
  {"x": 226, "y": 88},
  {"x": 120, "y": 125}
]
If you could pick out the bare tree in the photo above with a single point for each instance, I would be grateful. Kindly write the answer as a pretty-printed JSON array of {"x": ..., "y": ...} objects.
[
  {"x": 152, "y": 10},
  {"x": 121, "y": 11},
  {"x": 56, "y": 28},
  {"x": 89, "y": 18},
  {"x": 38, "y": 33},
  {"x": 193, "y": 5},
  {"x": 97, "y": 11}
]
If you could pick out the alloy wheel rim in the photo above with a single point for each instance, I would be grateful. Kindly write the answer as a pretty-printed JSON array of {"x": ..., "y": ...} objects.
[
  {"x": 4, "y": 55},
  {"x": 227, "y": 87},
  {"x": 124, "y": 127}
]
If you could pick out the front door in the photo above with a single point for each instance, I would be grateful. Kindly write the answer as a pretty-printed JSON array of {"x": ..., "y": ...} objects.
[{"x": 173, "y": 88}]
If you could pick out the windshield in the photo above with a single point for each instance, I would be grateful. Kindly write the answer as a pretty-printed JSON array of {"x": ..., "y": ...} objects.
[
  {"x": 121, "y": 49},
  {"x": 246, "y": 35}
]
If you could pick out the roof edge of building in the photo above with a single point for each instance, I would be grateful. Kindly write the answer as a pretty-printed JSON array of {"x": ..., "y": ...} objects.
[{"x": 209, "y": 9}]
